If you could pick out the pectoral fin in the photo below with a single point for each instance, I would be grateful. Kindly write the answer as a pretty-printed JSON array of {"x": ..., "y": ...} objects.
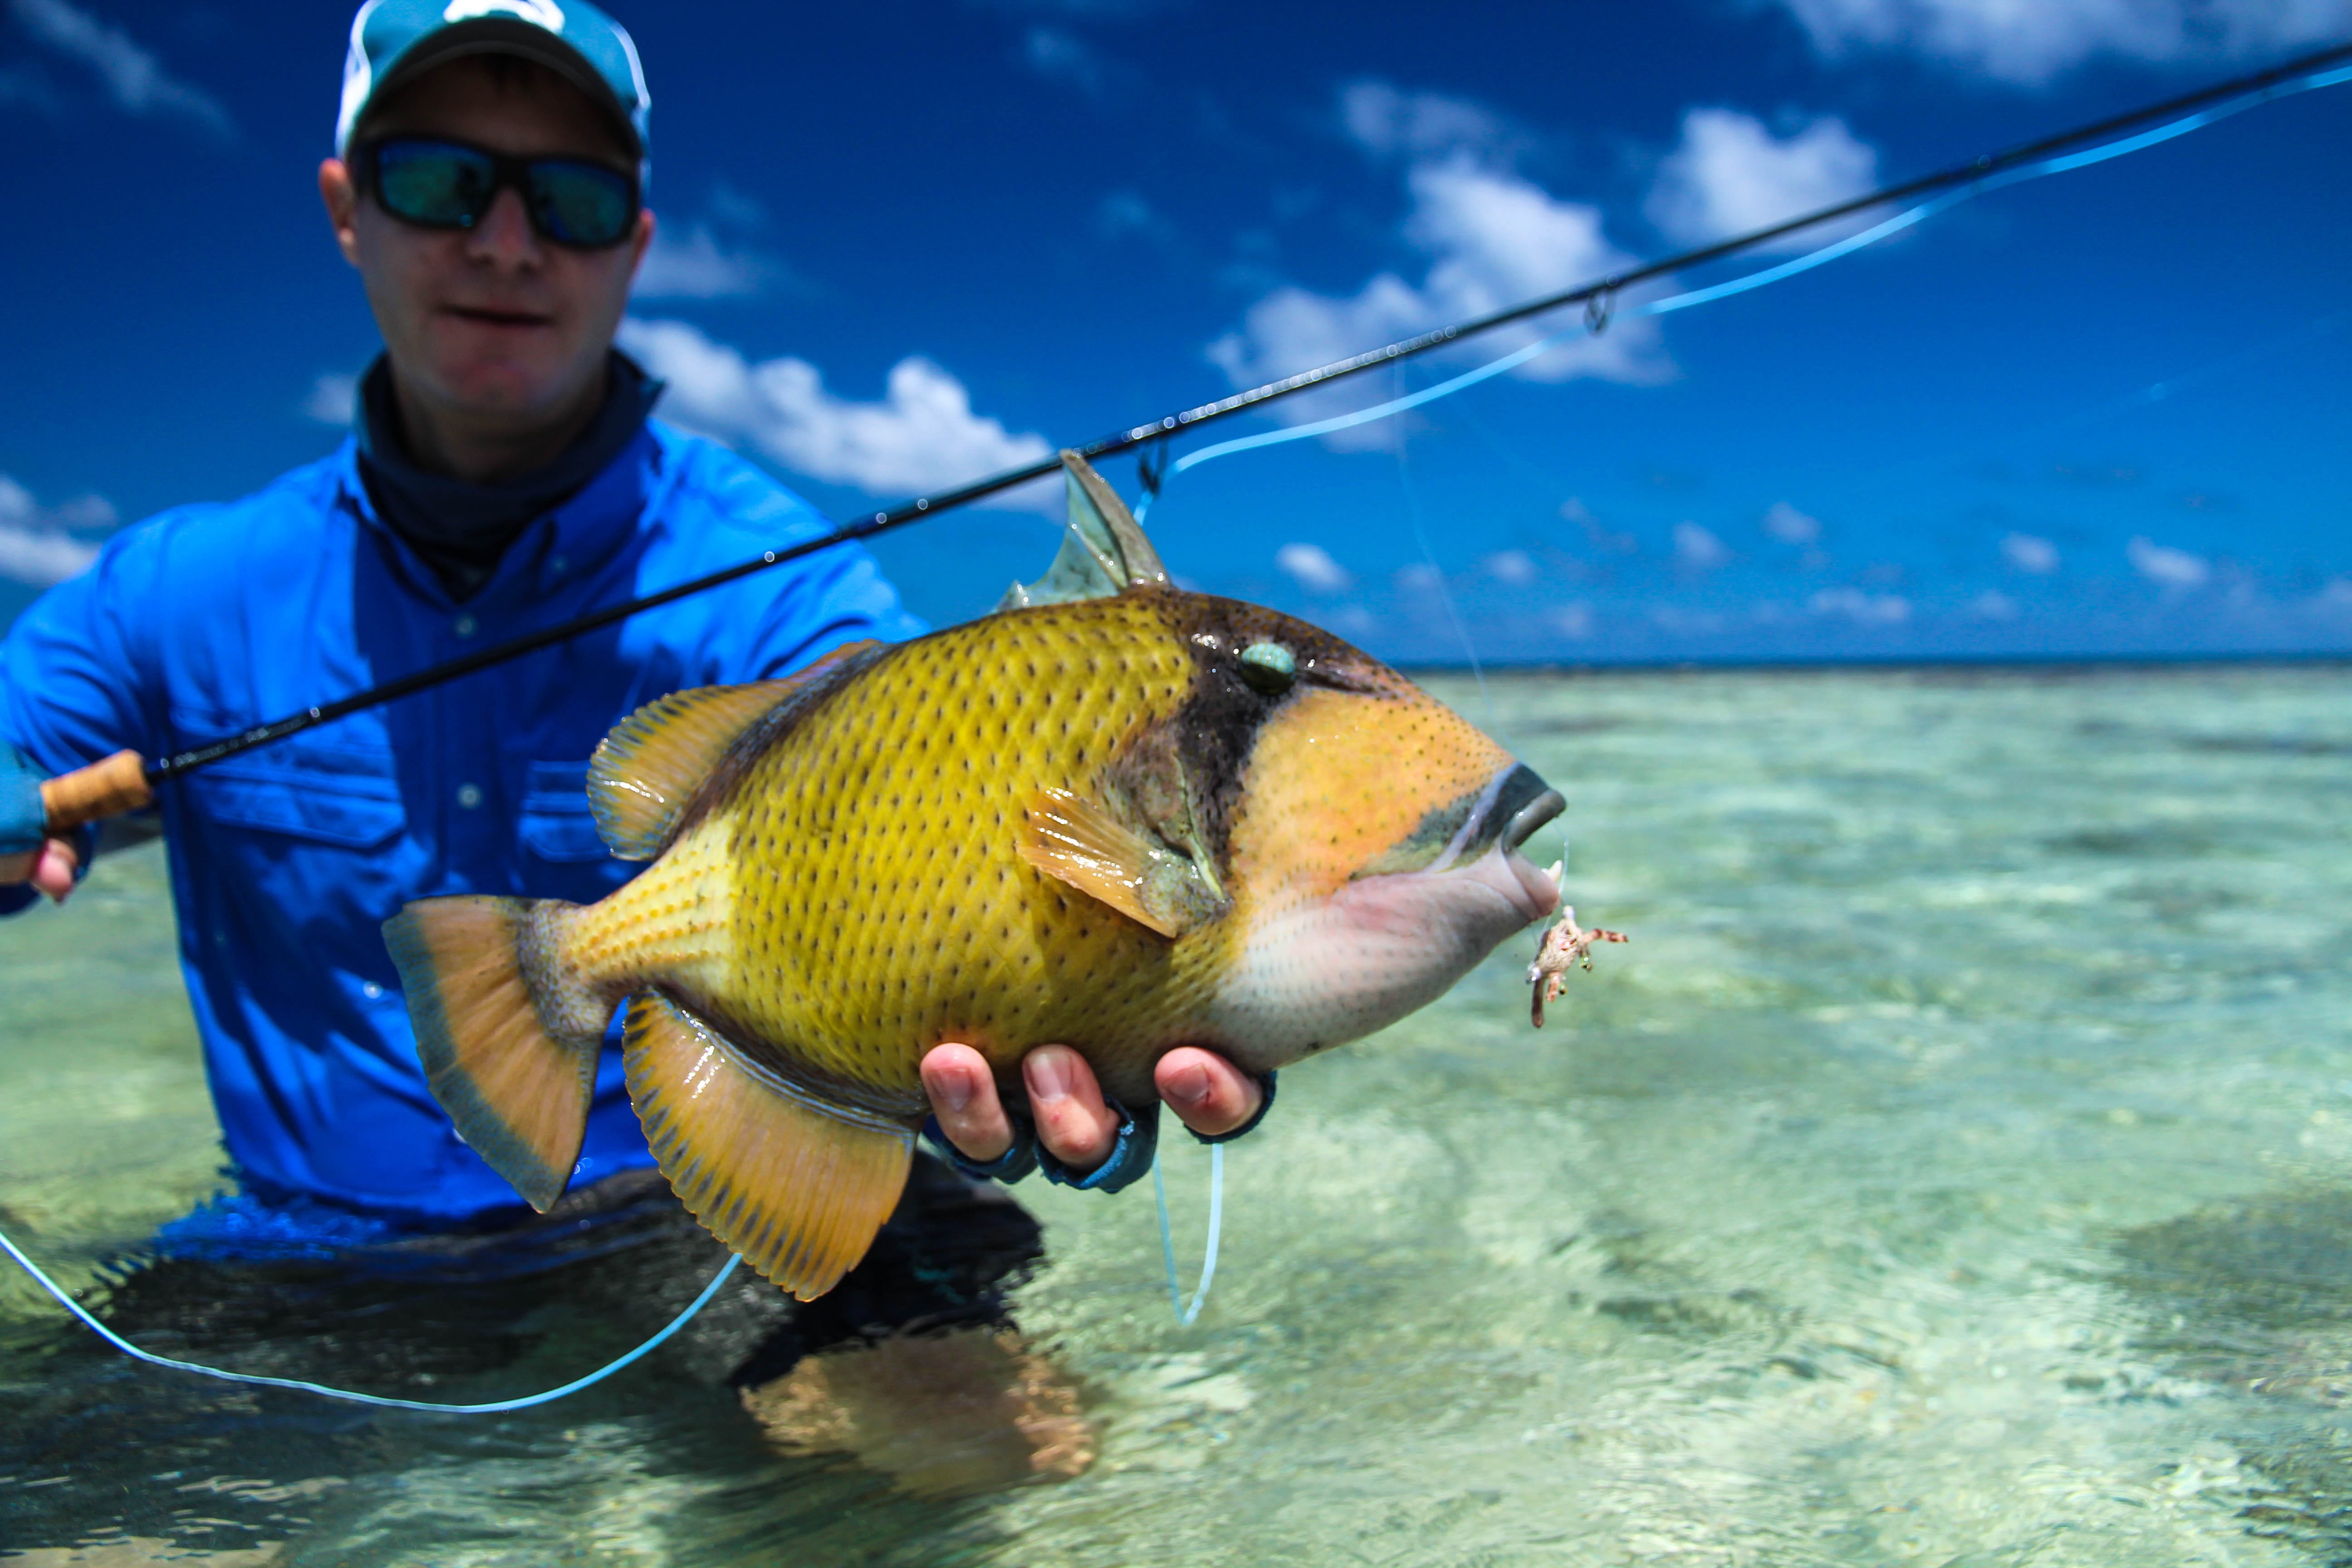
[
  {"x": 1077, "y": 842},
  {"x": 795, "y": 1183}
]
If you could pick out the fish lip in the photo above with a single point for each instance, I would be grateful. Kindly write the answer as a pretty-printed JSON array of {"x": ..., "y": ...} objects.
[
  {"x": 1531, "y": 817},
  {"x": 1514, "y": 788},
  {"x": 1542, "y": 892},
  {"x": 1518, "y": 789},
  {"x": 1531, "y": 894}
]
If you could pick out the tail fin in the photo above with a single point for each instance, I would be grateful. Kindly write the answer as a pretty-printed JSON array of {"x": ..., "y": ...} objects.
[{"x": 507, "y": 1030}]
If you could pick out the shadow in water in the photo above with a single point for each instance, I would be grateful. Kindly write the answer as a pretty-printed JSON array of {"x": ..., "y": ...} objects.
[
  {"x": 97, "y": 1447},
  {"x": 2256, "y": 1297}
]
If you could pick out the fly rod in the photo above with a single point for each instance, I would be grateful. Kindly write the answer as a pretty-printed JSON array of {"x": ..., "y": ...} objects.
[{"x": 126, "y": 781}]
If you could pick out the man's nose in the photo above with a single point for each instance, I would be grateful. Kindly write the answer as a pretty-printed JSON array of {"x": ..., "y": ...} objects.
[{"x": 504, "y": 237}]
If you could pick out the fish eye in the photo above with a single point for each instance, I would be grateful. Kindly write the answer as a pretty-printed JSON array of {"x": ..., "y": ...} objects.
[{"x": 1269, "y": 667}]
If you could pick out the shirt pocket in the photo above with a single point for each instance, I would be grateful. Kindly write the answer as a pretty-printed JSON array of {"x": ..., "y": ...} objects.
[
  {"x": 348, "y": 809},
  {"x": 556, "y": 824}
]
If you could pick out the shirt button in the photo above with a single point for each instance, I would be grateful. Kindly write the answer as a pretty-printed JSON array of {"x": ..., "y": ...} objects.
[
  {"x": 463, "y": 627},
  {"x": 469, "y": 796},
  {"x": 557, "y": 565},
  {"x": 370, "y": 990}
]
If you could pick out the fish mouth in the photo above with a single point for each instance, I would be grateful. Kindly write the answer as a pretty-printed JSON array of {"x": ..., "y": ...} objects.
[
  {"x": 1515, "y": 802},
  {"x": 1535, "y": 814},
  {"x": 1513, "y": 806},
  {"x": 1490, "y": 823}
]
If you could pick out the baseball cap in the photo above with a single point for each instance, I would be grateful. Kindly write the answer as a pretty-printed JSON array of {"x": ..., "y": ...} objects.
[{"x": 396, "y": 41}]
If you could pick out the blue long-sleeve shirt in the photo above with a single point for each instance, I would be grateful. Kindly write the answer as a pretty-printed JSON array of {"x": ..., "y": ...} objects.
[{"x": 206, "y": 620}]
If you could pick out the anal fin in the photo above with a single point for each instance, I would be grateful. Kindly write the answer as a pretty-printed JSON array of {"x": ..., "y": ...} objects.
[{"x": 797, "y": 1183}]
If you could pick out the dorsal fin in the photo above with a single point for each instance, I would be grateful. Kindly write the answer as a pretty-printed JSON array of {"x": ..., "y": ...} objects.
[
  {"x": 1103, "y": 551},
  {"x": 649, "y": 769}
]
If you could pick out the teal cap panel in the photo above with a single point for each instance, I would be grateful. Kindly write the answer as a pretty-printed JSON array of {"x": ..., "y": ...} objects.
[{"x": 393, "y": 40}]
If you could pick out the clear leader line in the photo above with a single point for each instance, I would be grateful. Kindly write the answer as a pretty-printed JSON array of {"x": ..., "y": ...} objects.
[
  {"x": 2257, "y": 85},
  {"x": 2038, "y": 158}
]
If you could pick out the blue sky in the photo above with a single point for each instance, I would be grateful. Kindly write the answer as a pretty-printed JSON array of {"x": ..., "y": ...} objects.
[{"x": 2101, "y": 414}]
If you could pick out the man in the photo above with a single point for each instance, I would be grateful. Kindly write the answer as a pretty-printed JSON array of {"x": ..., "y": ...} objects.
[{"x": 503, "y": 477}]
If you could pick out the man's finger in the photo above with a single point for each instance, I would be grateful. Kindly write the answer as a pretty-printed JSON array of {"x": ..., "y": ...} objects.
[
  {"x": 1072, "y": 1122},
  {"x": 54, "y": 864},
  {"x": 51, "y": 868},
  {"x": 963, "y": 1097},
  {"x": 1208, "y": 1093}
]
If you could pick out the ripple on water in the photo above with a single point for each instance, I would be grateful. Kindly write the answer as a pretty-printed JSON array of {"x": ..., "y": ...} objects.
[{"x": 1952, "y": 1170}]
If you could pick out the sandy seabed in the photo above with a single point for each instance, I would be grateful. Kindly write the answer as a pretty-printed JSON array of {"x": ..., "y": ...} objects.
[{"x": 1956, "y": 1169}]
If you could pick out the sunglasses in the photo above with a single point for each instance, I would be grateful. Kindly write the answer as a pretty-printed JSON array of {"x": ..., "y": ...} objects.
[{"x": 451, "y": 185}]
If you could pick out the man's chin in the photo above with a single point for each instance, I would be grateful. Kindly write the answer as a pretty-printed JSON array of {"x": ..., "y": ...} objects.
[{"x": 505, "y": 388}]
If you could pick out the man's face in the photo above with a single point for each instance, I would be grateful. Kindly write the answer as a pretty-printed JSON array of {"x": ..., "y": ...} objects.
[{"x": 493, "y": 321}]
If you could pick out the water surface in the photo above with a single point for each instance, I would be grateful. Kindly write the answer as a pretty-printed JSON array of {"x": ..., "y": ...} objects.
[{"x": 1957, "y": 1169}]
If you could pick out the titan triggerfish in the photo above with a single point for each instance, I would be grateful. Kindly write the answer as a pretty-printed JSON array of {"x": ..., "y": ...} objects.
[{"x": 1113, "y": 814}]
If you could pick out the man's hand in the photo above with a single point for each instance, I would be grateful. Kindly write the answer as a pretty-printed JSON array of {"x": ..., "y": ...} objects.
[
  {"x": 1208, "y": 1094},
  {"x": 43, "y": 859},
  {"x": 51, "y": 868}
]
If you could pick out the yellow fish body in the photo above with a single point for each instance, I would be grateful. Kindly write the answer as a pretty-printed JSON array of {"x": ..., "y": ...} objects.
[{"x": 1114, "y": 814}]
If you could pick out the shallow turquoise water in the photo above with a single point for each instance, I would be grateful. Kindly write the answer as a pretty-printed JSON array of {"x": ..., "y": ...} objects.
[{"x": 1956, "y": 1169}]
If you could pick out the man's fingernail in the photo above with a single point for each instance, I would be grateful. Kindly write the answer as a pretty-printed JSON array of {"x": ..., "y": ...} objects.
[
  {"x": 1188, "y": 1086},
  {"x": 955, "y": 1089},
  {"x": 1049, "y": 1077}
]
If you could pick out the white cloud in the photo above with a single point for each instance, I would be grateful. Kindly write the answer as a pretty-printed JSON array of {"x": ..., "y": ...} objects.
[
  {"x": 1385, "y": 120},
  {"x": 134, "y": 78},
  {"x": 1059, "y": 55},
  {"x": 1124, "y": 212},
  {"x": 2025, "y": 553},
  {"x": 1572, "y": 621},
  {"x": 36, "y": 544},
  {"x": 1602, "y": 538},
  {"x": 1420, "y": 577},
  {"x": 697, "y": 265},
  {"x": 42, "y": 556},
  {"x": 333, "y": 398},
  {"x": 1992, "y": 604},
  {"x": 1866, "y": 609},
  {"x": 1698, "y": 548},
  {"x": 1789, "y": 526},
  {"x": 1493, "y": 240},
  {"x": 1730, "y": 175},
  {"x": 736, "y": 208},
  {"x": 2030, "y": 41},
  {"x": 2168, "y": 567},
  {"x": 1516, "y": 567},
  {"x": 1314, "y": 568},
  {"x": 923, "y": 434}
]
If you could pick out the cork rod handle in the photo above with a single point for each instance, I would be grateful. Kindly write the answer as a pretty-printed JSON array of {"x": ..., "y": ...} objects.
[{"x": 106, "y": 788}]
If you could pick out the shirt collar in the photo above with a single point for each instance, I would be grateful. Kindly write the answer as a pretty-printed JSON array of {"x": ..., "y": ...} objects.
[
  {"x": 463, "y": 530},
  {"x": 576, "y": 536}
]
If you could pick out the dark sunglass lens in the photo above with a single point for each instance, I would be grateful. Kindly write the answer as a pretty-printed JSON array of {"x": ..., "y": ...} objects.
[
  {"x": 430, "y": 182},
  {"x": 581, "y": 203}
]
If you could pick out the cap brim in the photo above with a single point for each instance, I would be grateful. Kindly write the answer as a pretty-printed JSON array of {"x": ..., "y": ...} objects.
[{"x": 503, "y": 36}]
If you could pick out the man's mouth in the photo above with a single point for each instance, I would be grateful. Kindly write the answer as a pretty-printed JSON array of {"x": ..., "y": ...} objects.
[{"x": 490, "y": 316}]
